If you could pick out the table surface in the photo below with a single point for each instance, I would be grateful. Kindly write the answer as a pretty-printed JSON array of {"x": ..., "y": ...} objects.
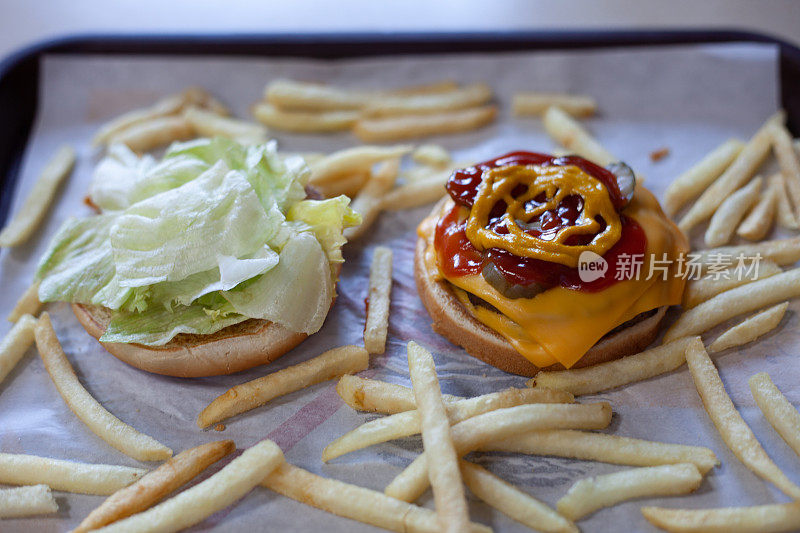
[{"x": 23, "y": 22}]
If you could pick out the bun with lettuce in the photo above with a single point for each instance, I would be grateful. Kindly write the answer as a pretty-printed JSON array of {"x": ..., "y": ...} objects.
[{"x": 210, "y": 261}]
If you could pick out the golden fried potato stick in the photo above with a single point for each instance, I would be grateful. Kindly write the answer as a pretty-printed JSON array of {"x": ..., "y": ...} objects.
[
  {"x": 39, "y": 199},
  {"x": 616, "y": 373},
  {"x": 591, "y": 494},
  {"x": 27, "y": 501},
  {"x": 255, "y": 393},
  {"x": 406, "y": 423},
  {"x": 404, "y": 127},
  {"x": 781, "y": 414},
  {"x": 380, "y": 288},
  {"x": 750, "y": 329},
  {"x": 15, "y": 344},
  {"x": 28, "y": 303},
  {"x": 437, "y": 441},
  {"x": 695, "y": 180},
  {"x": 68, "y": 476},
  {"x": 496, "y": 425},
  {"x": 736, "y": 175},
  {"x": 527, "y": 103},
  {"x": 732, "y": 428},
  {"x": 771, "y": 518},
  {"x": 156, "y": 485},
  {"x": 354, "y": 502},
  {"x": 605, "y": 448},
  {"x": 102, "y": 423},
  {"x": 567, "y": 132},
  {"x": 743, "y": 299},
  {"x": 195, "y": 504},
  {"x": 303, "y": 121}
]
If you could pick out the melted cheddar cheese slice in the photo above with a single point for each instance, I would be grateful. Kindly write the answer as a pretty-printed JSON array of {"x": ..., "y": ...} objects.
[{"x": 560, "y": 325}]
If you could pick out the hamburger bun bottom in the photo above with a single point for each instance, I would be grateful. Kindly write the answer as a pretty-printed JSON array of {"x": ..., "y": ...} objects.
[
  {"x": 455, "y": 323},
  {"x": 232, "y": 349}
]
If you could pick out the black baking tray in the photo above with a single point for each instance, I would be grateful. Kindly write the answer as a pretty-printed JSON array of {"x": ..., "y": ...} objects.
[{"x": 19, "y": 73}]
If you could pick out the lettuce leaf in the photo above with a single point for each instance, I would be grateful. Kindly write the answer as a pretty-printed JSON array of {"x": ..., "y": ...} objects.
[
  {"x": 327, "y": 219},
  {"x": 183, "y": 231},
  {"x": 297, "y": 293},
  {"x": 157, "y": 326},
  {"x": 212, "y": 235}
]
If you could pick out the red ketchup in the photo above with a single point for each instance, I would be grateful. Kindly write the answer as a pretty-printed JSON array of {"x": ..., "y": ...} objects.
[{"x": 450, "y": 239}]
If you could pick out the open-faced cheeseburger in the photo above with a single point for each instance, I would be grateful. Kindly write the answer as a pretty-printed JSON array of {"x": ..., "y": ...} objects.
[
  {"x": 509, "y": 265},
  {"x": 208, "y": 262}
]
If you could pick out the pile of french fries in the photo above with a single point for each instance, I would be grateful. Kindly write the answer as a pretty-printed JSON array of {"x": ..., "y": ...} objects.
[
  {"x": 541, "y": 419},
  {"x": 178, "y": 117},
  {"x": 376, "y": 116}
]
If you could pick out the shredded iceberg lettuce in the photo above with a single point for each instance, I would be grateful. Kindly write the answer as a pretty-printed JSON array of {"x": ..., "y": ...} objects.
[{"x": 210, "y": 236}]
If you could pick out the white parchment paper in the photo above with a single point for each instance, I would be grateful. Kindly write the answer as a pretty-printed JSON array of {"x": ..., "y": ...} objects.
[{"x": 688, "y": 99}]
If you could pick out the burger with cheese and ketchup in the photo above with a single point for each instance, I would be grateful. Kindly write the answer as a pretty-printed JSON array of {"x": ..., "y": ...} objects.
[{"x": 540, "y": 262}]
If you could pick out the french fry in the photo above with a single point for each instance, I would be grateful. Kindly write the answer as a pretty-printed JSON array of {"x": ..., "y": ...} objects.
[
  {"x": 380, "y": 288},
  {"x": 423, "y": 104},
  {"x": 700, "y": 290},
  {"x": 737, "y": 301},
  {"x": 27, "y": 501},
  {"x": 759, "y": 221},
  {"x": 354, "y": 502},
  {"x": 417, "y": 193},
  {"x": 780, "y": 251},
  {"x": 781, "y": 414},
  {"x": 199, "y": 97},
  {"x": 496, "y": 425},
  {"x": 613, "y": 449},
  {"x": 34, "y": 208},
  {"x": 787, "y": 161},
  {"x": 431, "y": 155},
  {"x": 348, "y": 185},
  {"x": 750, "y": 329},
  {"x": 528, "y": 103},
  {"x": 770, "y": 518},
  {"x": 369, "y": 199},
  {"x": 730, "y": 212},
  {"x": 695, "y": 180},
  {"x": 406, "y": 423},
  {"x": 28, "y": 303},
  {"x": 296, "y": 95},
  {"x": 374, "y": 396},
  {"x": 156, "y": 485},
  {"x": 102, "y": 423},
  {"x": 210, "y": 124},
  {"x": 784, "y": 212},
  {"x": 153, "y": 133},
  {"x": 433, "y": 87},
  {"x": 616, "y": 373},
  {"x": 169, "y": 105},
  {"x": 571, "y": 135},
  {"x": 588, "y": 495},
  {"x": 255, "y": 393},
  {"x": 741, "y": 170},
  {"x": 437, "y": 441},
  {"x": 512, "y": 502},
  {"x": 414, "y": 126},
  {"x": 222, "y": 489},
  {"x": 15, "y": 344},
  {"x": 303, "y": 121},
  {"x": 69, "y": 476},
  {"x": 732, "y": 428},
  {"x": 352, "y": 161}
]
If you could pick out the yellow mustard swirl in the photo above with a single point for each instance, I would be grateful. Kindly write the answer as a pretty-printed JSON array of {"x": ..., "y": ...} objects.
[{"x": 556, "y": 182}]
